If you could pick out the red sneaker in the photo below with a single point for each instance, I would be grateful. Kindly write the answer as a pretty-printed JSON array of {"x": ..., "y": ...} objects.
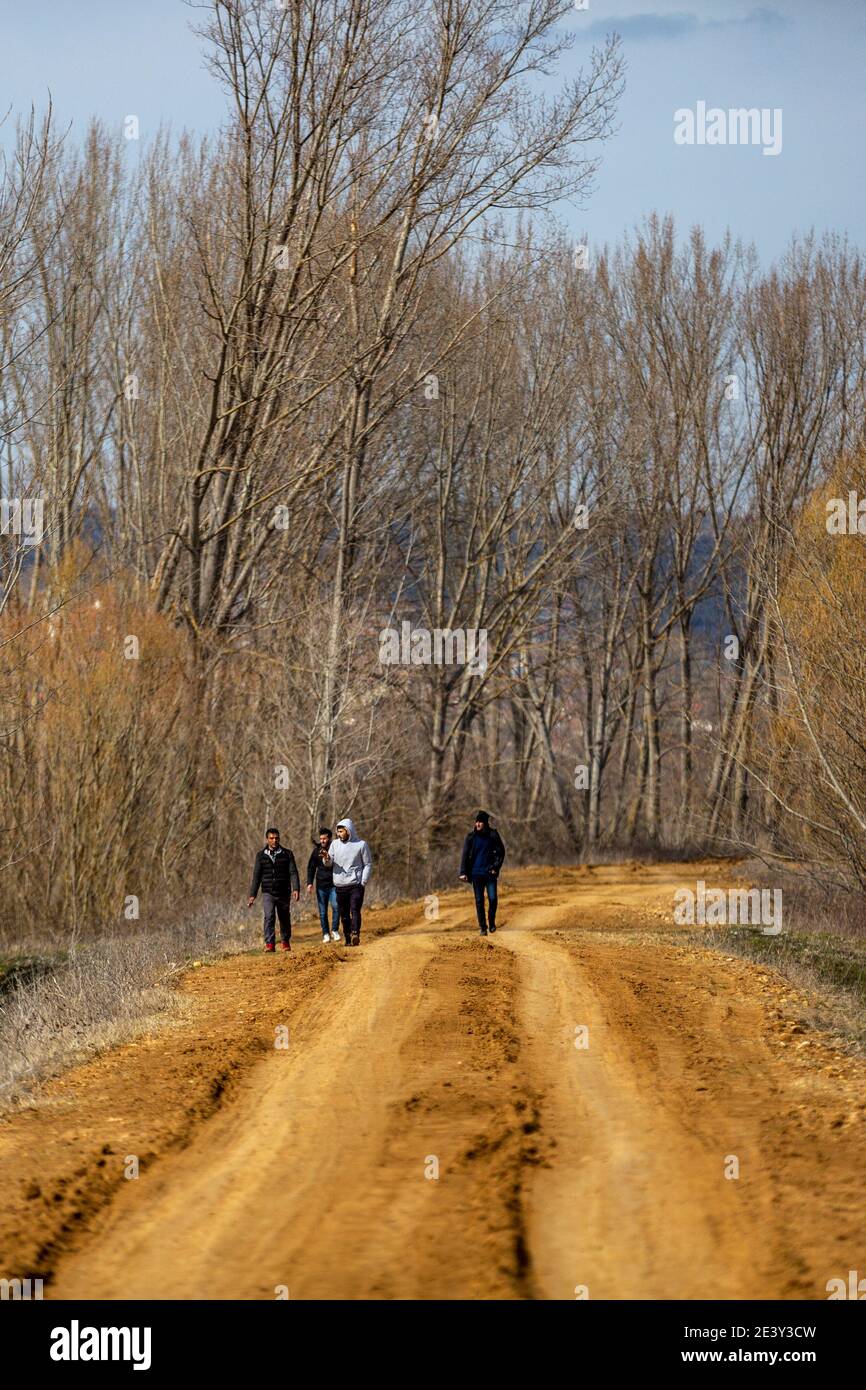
[
  {"x": 269, "y": 946},
  {"x": 285, "y": 945}
]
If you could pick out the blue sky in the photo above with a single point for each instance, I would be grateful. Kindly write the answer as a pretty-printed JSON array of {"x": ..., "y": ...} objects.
[
  {"x": 805, "y": 56},
  {"x": 114, "y": 58}
]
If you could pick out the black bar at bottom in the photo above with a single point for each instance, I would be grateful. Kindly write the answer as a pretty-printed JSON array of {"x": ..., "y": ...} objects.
[{"x": 161, "y": 1338}]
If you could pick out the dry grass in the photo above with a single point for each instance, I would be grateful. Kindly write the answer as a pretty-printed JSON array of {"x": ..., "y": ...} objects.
[
  {"x": 821, "y": 949},
  {"x": 57, "y": 1012},
  {"x": 826, "y": 965}
]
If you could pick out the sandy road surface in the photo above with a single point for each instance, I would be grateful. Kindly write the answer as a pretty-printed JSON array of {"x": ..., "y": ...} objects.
[{"x": 431, "y": 1050}]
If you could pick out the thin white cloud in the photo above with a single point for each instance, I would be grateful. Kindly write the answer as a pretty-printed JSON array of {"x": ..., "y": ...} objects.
[{"x": 653, "y": 26}]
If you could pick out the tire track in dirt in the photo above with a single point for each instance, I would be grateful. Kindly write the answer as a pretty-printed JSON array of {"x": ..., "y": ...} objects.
[
  {"x": 680, "y": 1074},
  {"x": 700, "y": 1033},
  {"x": 315, "y": 1177},
  {"x": 632, "y": 1205}
]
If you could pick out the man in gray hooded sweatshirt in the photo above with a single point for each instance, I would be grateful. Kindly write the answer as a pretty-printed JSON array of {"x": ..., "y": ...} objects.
[{"x": 353, "y": 864}]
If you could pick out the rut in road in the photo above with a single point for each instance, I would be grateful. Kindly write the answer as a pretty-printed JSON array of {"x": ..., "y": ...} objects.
[
  {"x": 559, "y": 1168},
  {"x": 315, "y": 1178}
]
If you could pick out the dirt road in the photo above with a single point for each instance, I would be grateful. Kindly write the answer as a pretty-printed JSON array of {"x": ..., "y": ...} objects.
[{"x": 554, "y": 1112}]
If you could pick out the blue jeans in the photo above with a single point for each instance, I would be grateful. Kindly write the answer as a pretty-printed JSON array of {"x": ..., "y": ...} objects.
[
  {"x": 479, "y": 883},
  {"x": 323, "y": 897}
]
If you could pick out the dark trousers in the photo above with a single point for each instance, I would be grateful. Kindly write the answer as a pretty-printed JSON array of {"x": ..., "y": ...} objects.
[
  {"x": 479, "y": 884},
  {"x": 325, "y": 896},
  {"x": 277, "y": 907},
  {"x": 349, "y": 902}
]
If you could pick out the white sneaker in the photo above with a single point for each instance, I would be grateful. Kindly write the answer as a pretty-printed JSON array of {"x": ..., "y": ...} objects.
[
  {"x": 325, "y": 939},
  {"x": 335, "y": 936}
]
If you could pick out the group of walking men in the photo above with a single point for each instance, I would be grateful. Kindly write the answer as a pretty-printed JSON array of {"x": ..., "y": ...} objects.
[{"x": 339, "y": 870}]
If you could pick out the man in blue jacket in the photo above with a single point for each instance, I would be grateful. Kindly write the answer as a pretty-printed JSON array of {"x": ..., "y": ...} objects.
[{"x": 483, "y": 856}]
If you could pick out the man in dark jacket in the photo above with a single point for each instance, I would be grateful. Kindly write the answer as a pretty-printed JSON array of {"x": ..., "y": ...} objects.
[
  {"x": 321, "y": 876},
  {"x": 483, "y": 856},
  {"x": 276, "y": 873}
]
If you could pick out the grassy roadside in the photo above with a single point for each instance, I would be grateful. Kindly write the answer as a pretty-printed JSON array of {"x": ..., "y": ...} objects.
[
  {"x": 58, "y": 1010},
  {"x": 830, "y": 966}
]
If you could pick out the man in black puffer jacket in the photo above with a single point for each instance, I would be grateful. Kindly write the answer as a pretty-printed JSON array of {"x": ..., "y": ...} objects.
[{"x": 276, "y": 873}]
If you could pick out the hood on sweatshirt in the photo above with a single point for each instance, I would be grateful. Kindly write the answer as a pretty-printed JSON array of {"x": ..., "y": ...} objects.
[{"x": 350, "y": 826}]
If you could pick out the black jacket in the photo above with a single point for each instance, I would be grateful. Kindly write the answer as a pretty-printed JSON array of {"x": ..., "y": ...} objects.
[
  {"x": 278, "y": 875},
  {"x": 497, "y": 852},
  {"x": 317, "y": 872}
]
